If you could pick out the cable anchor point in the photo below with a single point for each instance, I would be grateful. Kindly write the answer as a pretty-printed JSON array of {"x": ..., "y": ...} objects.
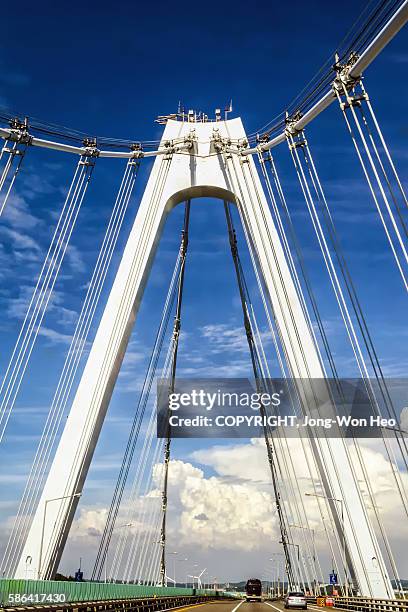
[
  {"x": 344, "y": 82},
  {"x": 19, "y": 133},
  {"x": 292, "y": 131},
  {"x": 89, "y": 151}
]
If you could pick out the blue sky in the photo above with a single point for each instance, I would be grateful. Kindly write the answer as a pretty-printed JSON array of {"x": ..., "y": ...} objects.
[{"x": 110, "y": 70}]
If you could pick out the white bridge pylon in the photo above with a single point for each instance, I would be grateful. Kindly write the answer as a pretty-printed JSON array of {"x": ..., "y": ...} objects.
[{"x": 200, "y": 171}]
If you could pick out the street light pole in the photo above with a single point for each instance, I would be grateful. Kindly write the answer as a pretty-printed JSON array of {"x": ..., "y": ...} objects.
[
  {"x": 277, "y": 554},
  {"x": 27, "y": 563},
  {"x": 341, "y": 502},
  {"x": 107, "y": 550},
  {"x": 194, "y": 577},
  {"x": 174, "y": 566},
  {"x": 314, "y": 552},
  {"x": 47, "y": 501},
  {"x": 185, "y": 559},
  {"x": 298, "y": 556}
]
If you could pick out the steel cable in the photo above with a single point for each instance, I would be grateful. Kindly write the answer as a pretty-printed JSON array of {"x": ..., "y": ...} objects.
[
  {"x": 394, "y": 248},
  {"x": 334, "y": 372},
  {"x": 245, "y": 222},
  {"x": 338, "y": 291},
  {"x": 75, "y": 351},
  {"x": 137, "y": 421},
  {"x": 77, "y": 470},
  {"x": 43, "y": 291}
]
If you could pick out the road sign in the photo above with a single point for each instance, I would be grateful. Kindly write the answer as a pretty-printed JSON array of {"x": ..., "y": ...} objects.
[
  {"x": 333, "y": 578},
  {"x": 79, "y": 576}
]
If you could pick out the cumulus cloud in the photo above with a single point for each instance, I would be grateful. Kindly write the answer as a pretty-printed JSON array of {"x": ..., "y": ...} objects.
[
  {"x": 215, "y": 514},
  {"x": 90, "y": 523},
  {"x": 222, "y": 510},
  {"x": 235, "y": 509},
  {"x": 245, "y": 461}
]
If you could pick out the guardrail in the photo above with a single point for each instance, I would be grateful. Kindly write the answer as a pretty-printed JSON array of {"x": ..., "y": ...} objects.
[
  {"x": 61, "y": 592},
  {"x": 366, "y": 604},
  {"x": 151, "y": 604}
]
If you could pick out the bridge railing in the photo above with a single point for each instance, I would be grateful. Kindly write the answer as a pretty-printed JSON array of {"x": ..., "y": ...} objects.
[
  {"x": 367, "y": 604},
  {"x": 146, "y": 604},
  {"x": 49, "y": 592}
]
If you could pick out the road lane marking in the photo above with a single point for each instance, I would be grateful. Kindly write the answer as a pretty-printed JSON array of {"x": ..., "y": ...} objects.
[
  {"x": 204, "y": 603},
  {"x": 197, "y": 605},
  {"x": 189, "y": 607},
  {"x": 219, "y": 601},
  {"x": 240, "y": 604},
  {"x": 272, "y": 606},
  {"x": 280, "y": 609}
]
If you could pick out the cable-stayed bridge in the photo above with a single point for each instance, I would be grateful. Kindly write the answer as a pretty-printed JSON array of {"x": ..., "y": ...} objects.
[{"x": 203, "y": 157}]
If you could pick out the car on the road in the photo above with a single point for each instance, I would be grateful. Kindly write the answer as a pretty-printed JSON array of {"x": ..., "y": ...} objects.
[
  {"x": 296, "y": 599},
  {"x": 253, "y": 590}
]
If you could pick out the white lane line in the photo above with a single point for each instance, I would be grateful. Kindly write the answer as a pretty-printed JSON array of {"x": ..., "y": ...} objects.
[
  {"x": 280, "y": 609},
  {"x": 240, "y": 604},
  {"x": 272, "y": 606}
]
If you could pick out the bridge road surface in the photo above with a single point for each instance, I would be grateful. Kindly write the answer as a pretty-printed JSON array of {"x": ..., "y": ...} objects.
[
  {"x": 231, "y": 605},
  {"x": 243, "y": 606}
]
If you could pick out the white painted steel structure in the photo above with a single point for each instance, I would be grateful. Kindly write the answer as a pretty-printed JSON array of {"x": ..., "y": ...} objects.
[{"x": 200, "y": 168}]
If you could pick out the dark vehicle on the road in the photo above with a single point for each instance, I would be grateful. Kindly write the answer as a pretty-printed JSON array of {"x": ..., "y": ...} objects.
[
  {"x": 253, "y": 590},
  {"x": 296, "y": 599}
]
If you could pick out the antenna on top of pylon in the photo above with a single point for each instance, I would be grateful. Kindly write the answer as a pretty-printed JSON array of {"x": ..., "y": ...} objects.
[{"x": 228, "y": 109}]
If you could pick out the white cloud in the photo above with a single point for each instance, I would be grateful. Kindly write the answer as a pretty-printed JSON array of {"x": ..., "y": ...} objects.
[
  {"x": 17, "y": 213},
  {"x": 234, "y": 369},
  {"x": 229, "y": 519},
  {"x": 238, "y": 515},
  {"x": 89, "y": 524},
  {"x": 246, "y": 463},
  {"x": 22, "y": 242},
  {"x": 17, "y": 306},
  {"x": 67, "y": 316},
  {"x": 55, "y": 337},
  {"x": 238, "y": 461},
  {"x": 222, "y": 338},
  {"x": 75, "y": 259}
]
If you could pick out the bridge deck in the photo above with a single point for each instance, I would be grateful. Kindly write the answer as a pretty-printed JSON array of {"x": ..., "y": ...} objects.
[
  {"x": 243, "y": 606},
  {"x": 218, "y": 605}
]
